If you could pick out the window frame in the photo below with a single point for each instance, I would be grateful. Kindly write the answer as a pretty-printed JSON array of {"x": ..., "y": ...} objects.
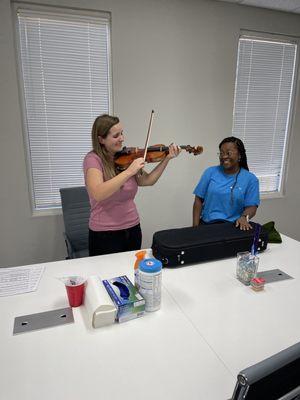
[
  {"x": 261, "y": 35},
  {"x": 55, "y": 210}
]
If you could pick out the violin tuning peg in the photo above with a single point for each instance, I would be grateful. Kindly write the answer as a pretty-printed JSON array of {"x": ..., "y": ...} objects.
[{"x": 198, "y": 150}]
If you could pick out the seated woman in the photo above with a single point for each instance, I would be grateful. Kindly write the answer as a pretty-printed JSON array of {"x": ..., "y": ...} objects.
[{"x": 227, "y": 192}]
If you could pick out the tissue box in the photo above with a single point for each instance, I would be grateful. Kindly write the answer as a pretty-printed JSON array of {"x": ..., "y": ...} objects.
[{"x": 130, "y": 304}]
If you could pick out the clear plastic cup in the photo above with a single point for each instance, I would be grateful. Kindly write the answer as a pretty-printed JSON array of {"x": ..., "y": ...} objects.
[{"x": 246, "y": 268}]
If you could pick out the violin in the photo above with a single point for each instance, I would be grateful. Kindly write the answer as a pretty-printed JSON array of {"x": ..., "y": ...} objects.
[{"x": 154, "y": 153}]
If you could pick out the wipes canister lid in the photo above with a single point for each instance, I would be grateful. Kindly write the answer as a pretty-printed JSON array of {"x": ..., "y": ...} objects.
[{"x": 150, "y": 265}]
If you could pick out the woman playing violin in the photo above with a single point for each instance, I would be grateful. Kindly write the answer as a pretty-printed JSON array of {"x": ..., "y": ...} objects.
[{"x": 114, "y": 224}]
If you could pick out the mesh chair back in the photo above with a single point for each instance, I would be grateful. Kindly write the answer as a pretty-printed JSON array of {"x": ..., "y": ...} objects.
[{"x": 76, "y": 212}]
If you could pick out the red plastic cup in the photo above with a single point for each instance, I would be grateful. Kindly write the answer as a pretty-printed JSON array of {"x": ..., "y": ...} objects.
[{"x": 75, "y": 294}]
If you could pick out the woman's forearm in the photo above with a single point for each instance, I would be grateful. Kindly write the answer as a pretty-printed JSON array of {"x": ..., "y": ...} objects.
[
  {"x": 103, "y": 190},
  {"x": 251, "y": 211},
  {"x": 149, "y": 179},
  {"x": 197, "y": 209}
]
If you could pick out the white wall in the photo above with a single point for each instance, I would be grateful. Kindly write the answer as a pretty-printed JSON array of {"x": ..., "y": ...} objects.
[{"x": 177, "y": 57}]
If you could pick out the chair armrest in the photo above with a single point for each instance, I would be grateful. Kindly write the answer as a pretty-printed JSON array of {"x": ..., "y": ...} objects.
[{"x": 70, "y": 249}]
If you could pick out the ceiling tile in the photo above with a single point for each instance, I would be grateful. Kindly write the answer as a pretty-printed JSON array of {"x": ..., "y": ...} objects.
[
  {"x": 232, "y": 1},
  {"x": 286, "y": 5},
  {"x": 282, "y": 5}
]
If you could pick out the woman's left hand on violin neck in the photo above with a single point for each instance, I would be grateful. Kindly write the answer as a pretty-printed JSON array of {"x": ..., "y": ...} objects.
[{"x": 174, "y": 151}]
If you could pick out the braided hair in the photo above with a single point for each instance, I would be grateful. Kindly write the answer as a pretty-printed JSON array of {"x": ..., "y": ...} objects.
[{"x": 241, "y": 148}]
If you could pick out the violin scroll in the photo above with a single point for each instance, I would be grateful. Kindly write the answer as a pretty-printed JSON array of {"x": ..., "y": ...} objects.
[{"x": 193, "y": 149}]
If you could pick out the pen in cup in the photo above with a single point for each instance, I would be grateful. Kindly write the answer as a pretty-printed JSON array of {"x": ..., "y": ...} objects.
[{"x": 254, "y": 247}]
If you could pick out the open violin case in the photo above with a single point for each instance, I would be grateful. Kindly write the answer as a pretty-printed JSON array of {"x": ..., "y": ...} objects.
[{"x": 182, "y": 246}]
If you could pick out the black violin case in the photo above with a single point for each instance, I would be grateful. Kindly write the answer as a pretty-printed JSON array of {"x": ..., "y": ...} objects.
[{"x": 182, "y": 246}]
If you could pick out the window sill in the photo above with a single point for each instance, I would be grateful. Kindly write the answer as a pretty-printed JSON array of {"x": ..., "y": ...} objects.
[
  {"x": 47, "y": 213},
  {"x": 271, "y": 195}
]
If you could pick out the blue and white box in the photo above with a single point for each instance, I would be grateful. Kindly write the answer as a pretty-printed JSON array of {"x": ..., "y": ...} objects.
[{"x": 129, "y": 302}]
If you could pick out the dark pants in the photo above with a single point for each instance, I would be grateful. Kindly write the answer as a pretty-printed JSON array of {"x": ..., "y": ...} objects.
[
  {"x": 217, "y": 221},
  {"x": 107, "y": 242}
]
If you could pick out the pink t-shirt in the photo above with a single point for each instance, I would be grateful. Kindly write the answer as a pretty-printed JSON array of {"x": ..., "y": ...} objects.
[{"x": 117, "y": 211}]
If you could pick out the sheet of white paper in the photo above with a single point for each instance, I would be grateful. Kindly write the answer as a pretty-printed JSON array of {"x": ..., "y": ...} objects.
[{"x": 17, "y": 280}]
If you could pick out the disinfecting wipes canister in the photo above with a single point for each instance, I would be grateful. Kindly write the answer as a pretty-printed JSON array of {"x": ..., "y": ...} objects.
[{"x": 150, "y": 272}]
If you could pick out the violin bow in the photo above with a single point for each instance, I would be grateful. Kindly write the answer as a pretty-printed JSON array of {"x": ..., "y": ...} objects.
[{"x": 148, "y": 134}]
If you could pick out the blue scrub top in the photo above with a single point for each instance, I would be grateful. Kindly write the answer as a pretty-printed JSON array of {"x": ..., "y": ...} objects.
[{"x": 221, "y": 202}]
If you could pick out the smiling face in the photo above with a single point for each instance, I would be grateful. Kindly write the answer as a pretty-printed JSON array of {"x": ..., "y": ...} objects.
[
  {"x": 229, "y": 157},
  {"x": 113, "y": 142}
]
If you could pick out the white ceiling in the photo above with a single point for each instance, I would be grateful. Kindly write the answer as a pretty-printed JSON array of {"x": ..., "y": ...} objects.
[{"x": 282, "y": 5}]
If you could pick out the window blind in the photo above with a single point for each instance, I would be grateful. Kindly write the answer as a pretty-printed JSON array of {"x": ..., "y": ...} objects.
[
  {"x": 65, "y": 64},
  {"x": 262, "y": 105}
]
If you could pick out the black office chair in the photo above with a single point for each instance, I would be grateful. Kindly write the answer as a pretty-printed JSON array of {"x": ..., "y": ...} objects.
[{"x": 76, "y": 211}]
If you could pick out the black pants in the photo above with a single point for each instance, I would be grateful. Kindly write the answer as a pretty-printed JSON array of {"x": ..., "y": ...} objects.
[
  {"x": 107, "y": 242},
  {"x": 217, "y": 221}
]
